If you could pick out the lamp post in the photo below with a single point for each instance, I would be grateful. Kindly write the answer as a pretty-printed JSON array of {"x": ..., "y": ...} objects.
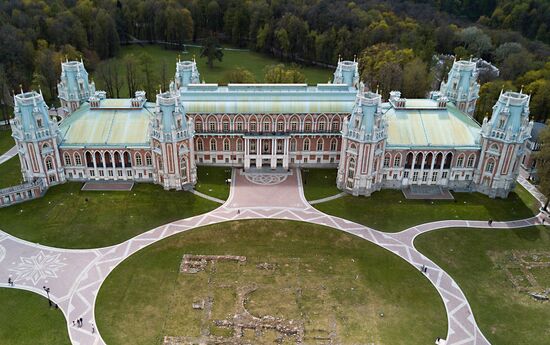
[{"x": 47, "y": 289}]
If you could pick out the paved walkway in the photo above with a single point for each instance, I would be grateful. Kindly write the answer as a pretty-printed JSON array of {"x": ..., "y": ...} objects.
[
  {"x": 75, "y": 276},
  {"x": 8, "y": 155},
  {"x": 328, "y": 198}
]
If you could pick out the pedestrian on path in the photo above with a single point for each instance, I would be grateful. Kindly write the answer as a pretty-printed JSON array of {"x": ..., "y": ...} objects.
[
  {"x": 80, "y": 322},
  {"x": 10, "y": 282},
  {"x": 73, "y": 323},
  {"x": 490, "y": 222},
  {"x": 238, "y": 211},
  {"x": 93, "y": 328}
]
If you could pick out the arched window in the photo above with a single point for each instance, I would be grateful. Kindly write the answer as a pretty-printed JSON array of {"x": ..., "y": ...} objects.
[
  {"x": 418, "y": 161},
  {"x": 333, "y": 144},
  {"x": 212, "y": 125},
  {"x": 351, "y": 172},
  {"x": 321, "y": 126},
  {"x": 108, "y": 160},
  {"x": 183, "y": 170},
  {"x": 127, "y": 160},
  {"x": 460, "y": 161},
  {"x": 138, "y": 159},
  {"x": 239, "y": 145},
  {"x": 77, "y": 159},
  {"x": 294, "y": 125},
  {"x": 89, "y": 160},
  {"x": 118, "y": 160},
  {"x": 409, "y": 161},
  {"x": 448, "y": 160},
  {"x": 438, "y": 160},
  {"x": 280, "y": 126},
  {"x": 225, "y": 126},
  {"x": 212, "y": 144},
  {"x": 397, "y": 160},
  {"x": 471, "y": 160},
  {"x": 239, "y": 124},
  {"x": 335, "y": 125},
  {"x": 49, "y": 164},
  {"x": 198, "y": 125},
  {"x": 252, "y": 125},
  {"x": 490, "y": 166},
  {"x": 148, "y": 159},
  {"x": 320, "y": 145},
  {"x": 67, "y": 158},
  {"x": 199, "y": 145},
  {"x": 428, "y": 161},
  {"x": 45, "y": 147},
  {"x": 292, "y": 145},
  {"x": 98, "y": 159},
  {"x": 306, "y": 144},
  {"x": 307, "y": 126},
  {"x": 267, "y": 126},
  {"x": 226, "y": 145},
  {"x": 387, "y": 161}
]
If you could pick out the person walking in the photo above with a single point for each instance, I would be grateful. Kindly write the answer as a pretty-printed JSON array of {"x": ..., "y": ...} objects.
[
  {"x": 490, "y": 222},
  {"x": 93, "y": 328}
]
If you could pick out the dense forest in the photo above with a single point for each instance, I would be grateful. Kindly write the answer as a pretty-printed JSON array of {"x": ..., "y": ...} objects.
[{"x": 397, "y": 42}]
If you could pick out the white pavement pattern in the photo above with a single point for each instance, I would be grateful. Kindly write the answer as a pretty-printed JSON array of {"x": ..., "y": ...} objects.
[
  {"x": 8, "y": 155},
  {"x": 75, "y": 276}
]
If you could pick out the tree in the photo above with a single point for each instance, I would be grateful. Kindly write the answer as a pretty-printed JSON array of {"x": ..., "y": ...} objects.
[
  {"x": 488, "y": 95},
  {"x": 543, "y": 164},
  {"x": 476, "y": 41},
  {"x": 109, "y": 76},
  {"x": 238, "y": 75},
  {"x": 146, "y": 64},
  {"x": 416, "y": 79},
  {"x": 211, "y": 51},
  {"x": 131, "y": 63},
  {"x": 105, "y": 36},
  {"x": 179, "y": 25},
  {"x": 47, "y": 68},
  {"x": 280, "y": 74}
]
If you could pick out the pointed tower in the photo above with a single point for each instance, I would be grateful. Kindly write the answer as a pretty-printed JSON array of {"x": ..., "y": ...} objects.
[
  {"x": 363, "y": 143},
  {"x": 347, "y": 72},
  {"x": 37, "y": 138},
  {"x": 172, "y": 144},
  {"x": 186, "y": 73},
  {"x": 461, "y": 87},
  {"x": 74, "y": 87},
  {"x": 503, "y": 140}
]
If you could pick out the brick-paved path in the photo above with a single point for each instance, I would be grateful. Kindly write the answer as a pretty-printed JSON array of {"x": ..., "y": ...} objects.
[{"x": 75, "y": 276}]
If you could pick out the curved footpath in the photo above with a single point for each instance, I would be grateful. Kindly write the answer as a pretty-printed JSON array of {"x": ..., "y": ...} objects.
[
  {"x": 75, "y": 276},
  {"x": 9, "y": 154}
]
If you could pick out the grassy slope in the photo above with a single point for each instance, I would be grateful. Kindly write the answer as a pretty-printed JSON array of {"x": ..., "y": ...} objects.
[
  {"x": 505, "y": 316},
  {"x": 211, "y": 181},
  {"x": 143, "y": 299},
  {"x": 6, "y": 141},
  {"x": 319, "y": 183},
  {"x": 252, "y": 61},
  {"x": 64, "y": 218},
  {"x": 10, "y": 173},
  {"x": 26, "y": 320},
  {"x": 388, "y": 210}
]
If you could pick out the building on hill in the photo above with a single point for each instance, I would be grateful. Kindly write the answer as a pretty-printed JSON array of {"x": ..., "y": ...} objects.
[{"x": 374, "y": 144}]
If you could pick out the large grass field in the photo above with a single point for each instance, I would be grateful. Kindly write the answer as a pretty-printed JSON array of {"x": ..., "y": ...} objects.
[
  {"x": 211, "y": 181},
  {"x": 10, "y": 173},
  {"x": 328, "y": 280},
  {"x": 388, "y": 210},
  {"x": 252, "y": 61},
  {"x": 319, "y": 183},
  {"x": 483, "y": 262},
  {"x": 71, "y": 218},
  {"x": 26, "y": 320},
  {"x": 6, "y": 141}
]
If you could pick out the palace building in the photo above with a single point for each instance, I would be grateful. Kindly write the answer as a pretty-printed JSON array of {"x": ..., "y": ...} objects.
[{"x": 373, "y": 143}]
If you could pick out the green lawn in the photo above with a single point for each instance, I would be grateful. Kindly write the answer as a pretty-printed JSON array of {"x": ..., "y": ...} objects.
[
  {"x": 10, "y": 173},
  {"x": 319, "y": 183},
  {"x": 26, "y": 320},
  {"x": 211, "y": 181},
  {"x": 478, "y": 260},
  {"x": 340, "y": 283},
  {"x": 388, "y": 210},
  {"x": 6, "y": 141},
  {"x": 63, "y": 217},
  {"x": 252, "y": 61}
]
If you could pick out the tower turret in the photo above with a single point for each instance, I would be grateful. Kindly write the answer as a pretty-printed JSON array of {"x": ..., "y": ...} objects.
[
  {"x": 347, "y": 72},
  {"x": 74, "y": 87},
  {"x": 37, "y": 139},
  {"x": 461, "y": 86},
  {"x": 363, "y": 143},
  {"x": 503, "y": 139},
  {"x": 172, "y": 144},
  {"x": 186, "y": 73}
]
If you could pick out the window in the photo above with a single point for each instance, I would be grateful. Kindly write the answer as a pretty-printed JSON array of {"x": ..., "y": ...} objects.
[
  {"x": 239, "y": 145},
  {"x": 239, "y": 126},
  {"x": 212, "y": 145},
  {"x": 252, "y": 146},
  {"x": 138, "y": 159},
  {"x": 226, "y": 145},
  {"x": 307, "y": 127},
  {"x": 320, "y": 145},
  {"x": 424, "y": 176},
  {"x": 306, "y": 144},
  {"x": 149, "y": 161},
  {"x": 406, "y": 174},
  {"x": 67, "y": 158},
  {"x": 212, "y": 126},
  {"x": 460, "y": 161},
  {"x": 120, "y": 173},
  {"x": 397, "y": 161},
  {"x": 444, "y": 174},
  {"x": 49, "y": 163},
  {"x": 101, "y": 173},
  {"x": 253, "y": 126},
  {"x": 351, "y": 172},
  {"x": 415, "y": 176},
  {"x": 183, "y": 170},
  {"x": 471, "y": 160},
  {"x": 321, "y": 126},
  {"x": 110, "y": 173},
  {"x": 266, "y": 126},
  {"x": 77, "y": 159},
  {"x": 266, "y": 146},
  {"x": 39, "y": 123},
  {"x": 490, "y": 166},
  {"x": 280, "y": 126},
  {"x": 335, "y": 126},
  {"x": 199, "y": 145},
  {"x": 129, "y": 173},
  {"x": 198, "y": 126},
  {"x": 387, "y": 162},
  {"x": 279, "y": 146},
  {"x": 225, "y": 126},
  {"x": 333, "y": 144},
  {"x": 434, "y": 177},
  {"x": 293, "y": 145},
  {"x": 294, "y": 126}
]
